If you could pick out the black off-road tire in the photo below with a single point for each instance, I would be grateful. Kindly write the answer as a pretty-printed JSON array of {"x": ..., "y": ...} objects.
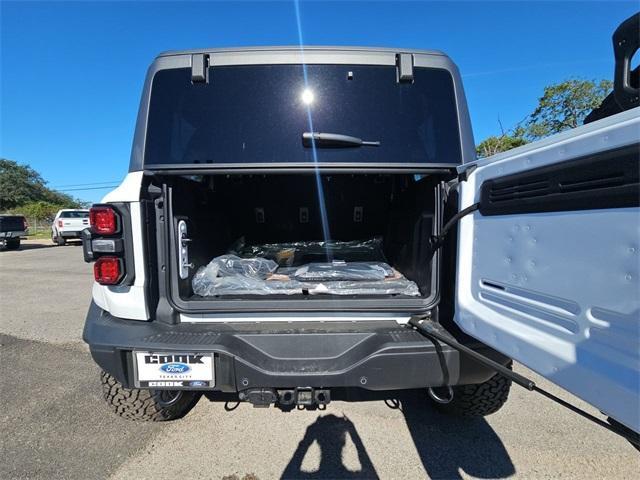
[
  {"x": 12, "y": 244},
  {"x": 478, "y": 400},
  {"x": 146, "y": 405}
]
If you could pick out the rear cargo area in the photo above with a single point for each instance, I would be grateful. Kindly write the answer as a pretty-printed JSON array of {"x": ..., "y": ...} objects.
[{"x": 313, "y": 236}]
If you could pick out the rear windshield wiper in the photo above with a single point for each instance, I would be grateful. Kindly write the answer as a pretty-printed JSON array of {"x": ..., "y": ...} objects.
[{"x": 334, "y": 140}]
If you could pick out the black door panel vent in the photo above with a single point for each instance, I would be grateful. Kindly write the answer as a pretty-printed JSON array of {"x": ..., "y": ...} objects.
[
  {"x": 613, "y": 180},
  {"x": 603, "y": 180},
  {"x": 523, "y": 189}
]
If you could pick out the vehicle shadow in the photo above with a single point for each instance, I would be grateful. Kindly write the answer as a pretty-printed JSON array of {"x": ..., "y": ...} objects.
[
  {"x": 30, "y": 246},
  {"x": 446, "y": 445}
]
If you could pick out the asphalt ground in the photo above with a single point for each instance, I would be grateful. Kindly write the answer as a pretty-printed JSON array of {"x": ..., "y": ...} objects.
[{"x": 54, "y": 423}]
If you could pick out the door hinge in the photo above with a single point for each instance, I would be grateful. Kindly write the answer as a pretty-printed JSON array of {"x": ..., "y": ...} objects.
[
  {"x": 463, "y": 175},
  {"x": 436, "y": 241},
  {"x": 200, "y": 68},
  {"x": 404, "y": 65}
]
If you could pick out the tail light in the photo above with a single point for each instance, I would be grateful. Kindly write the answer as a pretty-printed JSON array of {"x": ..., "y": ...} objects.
[
  {"x": 103, "y": 220},
  {"x": 104, "y": 243},
  {"x": 108, "y": 270},
  {"x": 59, "y": 223},
  {"x": 25, "y": 224}
]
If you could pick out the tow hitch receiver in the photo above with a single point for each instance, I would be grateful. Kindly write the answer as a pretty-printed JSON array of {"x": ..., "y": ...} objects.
[
  {"x": 258, "y": 397},
  {"x": 302, "y": 396}
]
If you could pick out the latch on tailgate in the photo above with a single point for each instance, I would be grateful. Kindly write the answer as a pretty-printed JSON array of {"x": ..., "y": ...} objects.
[{"x": 183, "y": 250}]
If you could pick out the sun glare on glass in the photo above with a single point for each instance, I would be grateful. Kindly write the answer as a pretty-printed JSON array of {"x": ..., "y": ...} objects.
[{"x": 307, "y": 97}]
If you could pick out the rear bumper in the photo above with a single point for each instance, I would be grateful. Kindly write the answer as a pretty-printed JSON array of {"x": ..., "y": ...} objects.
[
  {"x": 15, "y": 234},
  {"x": 71, "y": 233},
  {"x": 370, "y": 355}
]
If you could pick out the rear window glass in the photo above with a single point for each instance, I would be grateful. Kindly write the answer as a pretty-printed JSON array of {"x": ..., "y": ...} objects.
[
  {"x": 257, "y": 114},
  {"x": 74, "y": 215}
]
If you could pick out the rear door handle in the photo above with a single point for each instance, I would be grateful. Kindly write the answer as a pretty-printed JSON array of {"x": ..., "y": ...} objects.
[{"x": 183, "y": 250}]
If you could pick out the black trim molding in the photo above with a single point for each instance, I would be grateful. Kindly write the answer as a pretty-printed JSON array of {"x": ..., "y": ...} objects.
[{"x": 607, "y": 179}]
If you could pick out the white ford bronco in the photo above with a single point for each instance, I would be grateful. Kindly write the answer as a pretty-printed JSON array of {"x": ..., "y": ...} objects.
[{"x": 300, "y": 226}]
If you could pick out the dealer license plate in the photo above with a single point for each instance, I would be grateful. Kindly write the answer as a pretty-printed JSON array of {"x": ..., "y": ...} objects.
[{"x": 174, "y": 370}]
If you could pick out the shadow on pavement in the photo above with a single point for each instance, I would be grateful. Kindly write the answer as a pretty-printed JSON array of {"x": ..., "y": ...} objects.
[
  {"x": 446, "y": 445},
  {"x": 41, "y": 244},
  {"x": 330, "y": 432},
  {"x": 29, "y": 246}
]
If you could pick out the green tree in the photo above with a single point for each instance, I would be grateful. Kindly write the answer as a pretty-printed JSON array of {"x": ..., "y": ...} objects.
[
  {"x": 41, "y": 211},
  {"x": 21, "y": 184},
  {"x": 496, "y": 144},
  {"x": 564, "y": 106}
]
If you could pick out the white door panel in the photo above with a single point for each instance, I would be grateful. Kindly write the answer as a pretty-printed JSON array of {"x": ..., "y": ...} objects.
[{"x": 558, "y": 291}]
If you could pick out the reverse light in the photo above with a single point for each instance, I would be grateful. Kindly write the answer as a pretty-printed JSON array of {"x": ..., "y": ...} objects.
[
  {"x": 103, "y": 220},
  {"x": 108, "y": 270},
  {"x": 106, "y": 245}
]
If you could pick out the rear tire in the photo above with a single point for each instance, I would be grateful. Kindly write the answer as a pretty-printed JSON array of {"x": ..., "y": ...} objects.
[
  {"x": 477, "y": 400},
  {"x": 12, "y": 244},
  {"x": 60, "y": 241},
  {"x": 146, "y": 405}
]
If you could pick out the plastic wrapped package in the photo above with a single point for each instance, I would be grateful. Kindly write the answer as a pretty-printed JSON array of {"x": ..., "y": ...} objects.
[
  {"x": 232, "y": 275},
  {"x": 343, "y": 271},
  {"x": 401, "y": 286},
  {"x": 206, "y": 286},
  {"x": 299, "y": 253},
  {"x": 249, "y": 267}
]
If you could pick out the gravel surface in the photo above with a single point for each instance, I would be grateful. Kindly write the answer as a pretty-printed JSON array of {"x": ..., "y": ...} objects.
[{"x": 56, "y": 426}]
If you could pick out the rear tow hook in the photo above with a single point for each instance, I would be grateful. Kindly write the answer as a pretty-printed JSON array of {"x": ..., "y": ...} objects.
[{"x": 436, "y": 396}]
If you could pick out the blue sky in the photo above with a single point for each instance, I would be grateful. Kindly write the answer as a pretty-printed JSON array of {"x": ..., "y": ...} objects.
[{"x": 72, "y": 72}]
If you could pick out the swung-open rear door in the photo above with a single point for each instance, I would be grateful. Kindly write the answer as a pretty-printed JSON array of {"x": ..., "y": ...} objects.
[{"x": 548, "y": 268}]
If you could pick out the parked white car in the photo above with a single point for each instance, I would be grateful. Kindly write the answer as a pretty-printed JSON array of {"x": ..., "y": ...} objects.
[{"x": 68, "y": 224}]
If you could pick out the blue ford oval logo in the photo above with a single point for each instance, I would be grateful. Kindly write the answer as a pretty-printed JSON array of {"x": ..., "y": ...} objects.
[{"x": 175, "y": 368}]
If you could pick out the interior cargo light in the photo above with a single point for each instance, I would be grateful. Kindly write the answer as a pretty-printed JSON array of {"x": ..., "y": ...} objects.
[
  {"x": 107, "y": 270},
  {"x": 103, "y": 220}
]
